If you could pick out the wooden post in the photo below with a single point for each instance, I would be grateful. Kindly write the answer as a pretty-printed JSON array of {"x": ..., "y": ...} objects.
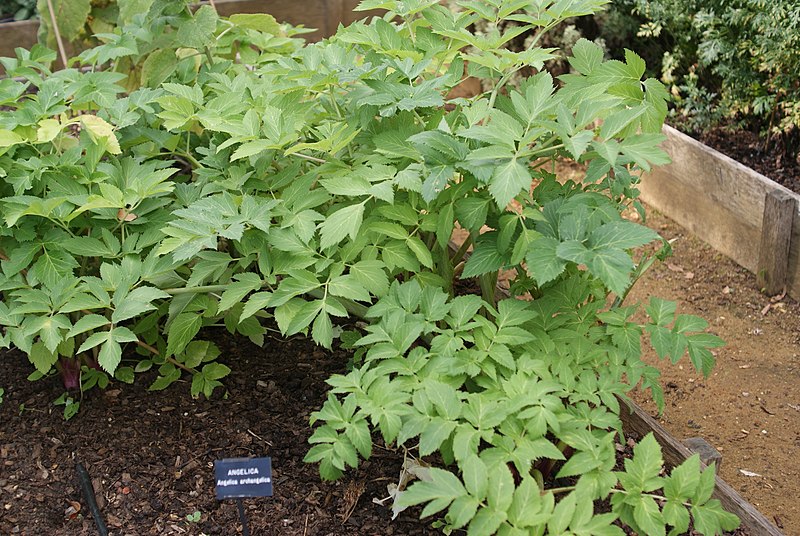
[{"x": 776, "y": 235}]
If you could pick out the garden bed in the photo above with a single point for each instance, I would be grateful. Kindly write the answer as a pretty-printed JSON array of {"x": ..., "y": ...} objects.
[{"x": 156, "y": 477}]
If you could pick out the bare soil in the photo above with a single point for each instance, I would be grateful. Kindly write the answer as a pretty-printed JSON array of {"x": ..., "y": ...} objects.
[{"x": 151, "y": 454}]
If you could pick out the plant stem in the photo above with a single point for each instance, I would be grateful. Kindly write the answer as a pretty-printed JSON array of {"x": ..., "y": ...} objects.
[
  {"x": 195, "y": 290},
  {"x": 462, "y": 250},
  {"x": 56, "y": 31},
  {"x": 172, "y": 360},
  {"x": 311, "y": 158}
]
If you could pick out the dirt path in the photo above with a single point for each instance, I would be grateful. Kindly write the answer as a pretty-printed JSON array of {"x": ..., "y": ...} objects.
[{"x": 749, "y": 408}]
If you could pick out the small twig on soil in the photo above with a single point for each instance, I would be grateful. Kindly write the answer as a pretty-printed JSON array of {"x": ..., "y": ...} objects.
[
  {"x": 258, "y": 437},
  {"x": 305, "y": 526}
]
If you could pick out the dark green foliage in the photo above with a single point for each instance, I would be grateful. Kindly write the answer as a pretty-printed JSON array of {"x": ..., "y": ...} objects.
[
  {"x": 18, "y": 9},
  {"x": 731, "y": 60}
]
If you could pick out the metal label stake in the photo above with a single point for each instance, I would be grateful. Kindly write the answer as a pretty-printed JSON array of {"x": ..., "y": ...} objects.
[
  {"x": 237, "y": 478},
  {"x": 243, "y": 517}
]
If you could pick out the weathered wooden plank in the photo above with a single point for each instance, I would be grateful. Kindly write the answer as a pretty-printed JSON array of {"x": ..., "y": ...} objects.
[
  {"x": 635, "y": 419},
  {"x": 776, "y": 236},
  {"x": 718, "y": 199}
]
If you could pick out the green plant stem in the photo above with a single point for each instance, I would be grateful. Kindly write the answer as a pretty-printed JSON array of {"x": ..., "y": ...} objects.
[
  {"x": 57, "y": 32},
  {"x": 488, "y": 283},
  {"x": 195, "y": 290},
  {"x": 462, "y": 250},
  {"x": 172, "y": 360},
  {"x": 310, "y": 158}
]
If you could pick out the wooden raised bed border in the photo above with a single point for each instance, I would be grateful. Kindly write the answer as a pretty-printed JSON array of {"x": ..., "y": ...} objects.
[{"x": 739, "y": 212}]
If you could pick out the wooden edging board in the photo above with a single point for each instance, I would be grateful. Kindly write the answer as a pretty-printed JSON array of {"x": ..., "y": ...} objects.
[
  {"x": 723, "y": 202},
  {"x": 635, "y": 419}
]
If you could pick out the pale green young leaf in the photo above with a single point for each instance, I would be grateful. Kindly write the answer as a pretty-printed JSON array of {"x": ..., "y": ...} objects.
[
  {"x": 442, "y": 489},
  {"x": 236, "y": 291},
  {"x": 500, "y": 492},
  {"x": 322, "y": 330},
  {"x": 42, "y": 358}
]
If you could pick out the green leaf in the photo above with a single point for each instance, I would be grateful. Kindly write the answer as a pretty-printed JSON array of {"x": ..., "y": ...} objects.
[
  {"x": 613, "y": 267},
  {"x": 508, "y": 180},
  {"x": 562, "y": 514},
  {"x": 349, "y": 286},
  {"x": 542, "y": 261},
  {"x": 87, "y": 323},
  {"x": 70, "y": 15},
  {"x": 164, "y": 381},
  {"x": 345, "y": 221},
  {"x": 476, "y": 476},
  {"x": 9, "y": 138},
  {"x": 442, "y": 489},
  {"x": 181, "y": 331},
  {"x": 420, "y": 250},
  {"x": 462, "y": 511},
  {"x": 42, "y": 358},
  {"x": 236, "y": 291},
  {"x": 199, "y": 31},
  {"x": 261, "y": 22},
  {"x": 621, "y": 235},
  {"x": 124, "y": 374},
  {"x": 158, "y": 67},
  {"x": 372, "y": 275},
  {"x": 500, "y": 493},
  {"x": 486, "y": 522},
  {"x": 110, "y": 355},
  {"x": 215, "y": 371}
]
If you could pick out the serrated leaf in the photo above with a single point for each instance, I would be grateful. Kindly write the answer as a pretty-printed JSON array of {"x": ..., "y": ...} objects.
[
  {"x": 215, "y": 371},
  {"x": 181, "y": 331},
  {"x": 372, "y": 275},
  {"x": 486, "y": 522},
  {"x": 508, "y": 180},
  {"x": 345, "y": 221},
  {"x": 443, "y": 488},
  {"x": 42, "y": 358}
]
